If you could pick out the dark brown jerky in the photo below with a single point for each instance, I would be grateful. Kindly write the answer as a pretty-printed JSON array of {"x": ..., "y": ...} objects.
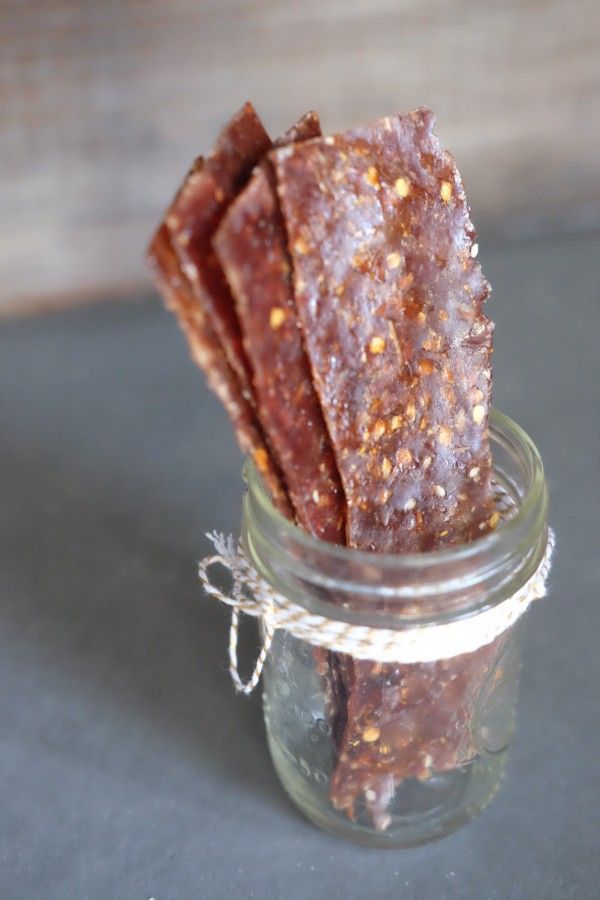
[
  {"x": 194, "y": 216},
  {"x": 390, "y": 300},
  {"x": 208, "y": 354},
  {"x": 251, "y": 245},
  {"x": 407, "y": 722}
]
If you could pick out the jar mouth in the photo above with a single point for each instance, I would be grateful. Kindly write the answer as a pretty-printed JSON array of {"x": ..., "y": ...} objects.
[{"x": 278, "y": 547}]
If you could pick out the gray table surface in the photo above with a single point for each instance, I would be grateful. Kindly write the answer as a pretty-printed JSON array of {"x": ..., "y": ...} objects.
[{"x": 128, "y": 767}]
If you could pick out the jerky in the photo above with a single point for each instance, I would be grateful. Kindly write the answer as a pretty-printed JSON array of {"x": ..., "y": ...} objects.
[
  {"x": 407, "y": 722},
  {"x": 386, "y": 282},
  {"x": 208, "y": 354},
  {"x": 390, "y": 301},
  {"x": 194, "y": 216},
  {"x": 380, "y": 234},
  {"x": 191, "y": 221},
  {"x": 251, "y": 245}
]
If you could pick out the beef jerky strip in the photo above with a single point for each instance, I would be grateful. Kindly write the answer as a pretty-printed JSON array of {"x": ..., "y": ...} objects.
[
  {"x": 390, "y": 300},
  {"x": 407, "y": 722},
  {"x": 194, "y": 216},
  {"x": 208, "y": 354},
  {"x": 195, "y": 288},
  {"x": 198, "y": 205},
  {"x": 378, "y": 219},
  {"x": 251, "y": 245}
]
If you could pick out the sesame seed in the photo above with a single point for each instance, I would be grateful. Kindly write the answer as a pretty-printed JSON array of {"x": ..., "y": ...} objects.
[
  {"x": 445, "y": 436},
  {"x": 446, "y": 191},
  {"x": 300, "y": 246},
  {"x": 372, "y": 176},
  {"x": 379, "y": 428},
  {"x": 404, "y": 456},
  {"x": 376, "y": 344},
  {"x": 402, "y": 187},
  {"x": 277, "y": 317}
]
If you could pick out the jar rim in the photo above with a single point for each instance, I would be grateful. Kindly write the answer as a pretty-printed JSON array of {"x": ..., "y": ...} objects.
[
  {"x": 488, "y": 566},
  {"x": 499, "y": 424}
]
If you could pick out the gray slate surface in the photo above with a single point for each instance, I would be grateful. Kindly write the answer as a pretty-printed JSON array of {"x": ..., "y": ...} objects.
[{"x": 128, "y": 767}]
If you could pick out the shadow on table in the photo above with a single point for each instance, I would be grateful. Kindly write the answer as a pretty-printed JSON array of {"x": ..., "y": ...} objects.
[{"x": 117, "y": 618}]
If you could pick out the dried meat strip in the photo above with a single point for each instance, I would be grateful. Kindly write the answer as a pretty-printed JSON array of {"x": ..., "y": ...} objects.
[
  {"x": 194, "y": 216},
  {"x": 386, "y": 282},
  {"x": 194, "y": 285},
  {"x": 251, "y": 245},
  {"x": 407, "y": 722},
  {"x": 390, "y": 300},
  {"x": 208, "y": 354}
]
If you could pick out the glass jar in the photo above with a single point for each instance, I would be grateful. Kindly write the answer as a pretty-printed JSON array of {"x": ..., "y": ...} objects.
[{"x": 394, "y": 754}]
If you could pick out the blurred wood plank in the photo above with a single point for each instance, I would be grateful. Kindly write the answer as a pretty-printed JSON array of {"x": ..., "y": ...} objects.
[{"x": 104, "y": 105}]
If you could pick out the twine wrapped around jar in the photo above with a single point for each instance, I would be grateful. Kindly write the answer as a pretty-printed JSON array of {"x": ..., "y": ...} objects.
[{"x": 252, "y": 595}]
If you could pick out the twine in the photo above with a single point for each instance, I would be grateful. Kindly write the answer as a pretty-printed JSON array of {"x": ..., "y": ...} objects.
[{"x": 252, "y": 595}]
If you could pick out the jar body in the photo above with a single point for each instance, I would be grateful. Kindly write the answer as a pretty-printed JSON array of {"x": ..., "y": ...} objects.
[
  {"x": 400, "y": 752},
  {"x": 437, "y": 735}
]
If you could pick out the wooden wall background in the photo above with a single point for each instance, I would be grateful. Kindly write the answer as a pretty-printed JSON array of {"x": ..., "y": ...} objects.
[{"x": 104, "y": 103}]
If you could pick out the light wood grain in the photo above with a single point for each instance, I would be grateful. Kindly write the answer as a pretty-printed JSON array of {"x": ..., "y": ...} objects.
[{"x": 104, "y": 104}]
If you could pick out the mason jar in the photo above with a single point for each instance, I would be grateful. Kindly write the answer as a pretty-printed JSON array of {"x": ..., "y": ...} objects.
[{"x": 395, "y": 752}]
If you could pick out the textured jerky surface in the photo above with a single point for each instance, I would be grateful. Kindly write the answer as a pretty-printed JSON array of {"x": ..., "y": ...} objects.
[
  {"x": 251, "y": 245},
  {"x": 407, "y": 722},
  {"x": 194, "y": 216},
  {"x": 208, "y": 354},
  {"x": 390, "y": 301}
]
